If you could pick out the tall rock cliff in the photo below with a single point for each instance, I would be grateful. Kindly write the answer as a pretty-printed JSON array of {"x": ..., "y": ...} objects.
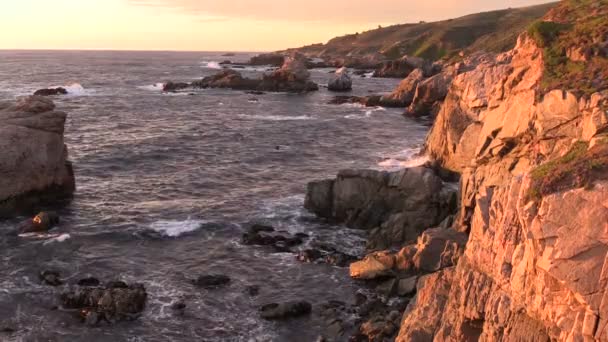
[
  {"x": 532, "y": 146},
  {"x": 33, "y": 165}
]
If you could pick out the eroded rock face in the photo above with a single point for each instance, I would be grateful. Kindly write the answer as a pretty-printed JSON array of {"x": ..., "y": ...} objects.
[
  {"x": 341, "y": 81},
  {"x": 534, "y": 266},
  {"x": 273, "y": 59},
  {"x": 394, "y": 206},
  {"x": 403, "y": 67},
  {"x": 404, "y": 94},
  {"x": 34, "y": 166}
]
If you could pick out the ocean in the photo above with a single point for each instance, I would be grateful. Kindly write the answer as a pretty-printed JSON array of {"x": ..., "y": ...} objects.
[{"x": 168, "y": 183}]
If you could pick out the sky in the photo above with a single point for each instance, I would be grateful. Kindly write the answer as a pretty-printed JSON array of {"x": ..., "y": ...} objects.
[{"x": 212, "y": 25}]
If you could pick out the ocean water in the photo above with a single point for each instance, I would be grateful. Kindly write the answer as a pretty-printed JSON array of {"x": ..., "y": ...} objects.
[{"x": 167, "y": 184}]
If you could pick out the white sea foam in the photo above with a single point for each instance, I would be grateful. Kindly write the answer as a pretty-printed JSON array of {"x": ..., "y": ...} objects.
[
  {"x": 403, "y": 159},
  {"x": 278, "y": 117},
  {"x": 153, "y": 87},
  {"x": 211, "y": 65},
  {"x": 176, "y": 228},
  {"x": 58, "y": 238}
]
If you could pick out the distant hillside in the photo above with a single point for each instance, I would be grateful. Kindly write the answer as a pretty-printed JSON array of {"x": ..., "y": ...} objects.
[{"x": 494, "y": 31}]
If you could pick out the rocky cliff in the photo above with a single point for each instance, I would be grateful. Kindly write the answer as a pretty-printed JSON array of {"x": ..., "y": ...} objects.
[
  {"x": 34, "y": 166},
  {"x": 534, "y": 192}
]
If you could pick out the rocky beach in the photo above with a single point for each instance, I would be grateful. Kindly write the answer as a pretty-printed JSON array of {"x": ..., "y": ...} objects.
[{"x": 317, "y": 194}]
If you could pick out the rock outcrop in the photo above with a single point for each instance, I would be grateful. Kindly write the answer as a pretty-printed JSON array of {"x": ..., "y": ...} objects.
[
  {"x": 405, "y": 92},
  {"x": 34, "y": 167},
  {"x": 402, "y": 67},
  {"x": 274, "y": 59},
  {"x": 534, "y": 201},
  {"x": 340, "y": 81},
  {"x": 292, "y": 77},
  {"x": 51, "y": 92},
  {"x": 395, "y": 207}
]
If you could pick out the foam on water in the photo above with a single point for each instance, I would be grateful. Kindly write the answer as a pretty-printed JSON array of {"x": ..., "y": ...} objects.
[
  {"x": 176, "y": 228},
  {"x": 75, "y": 89},
  {"x": 58, "y": 238},
  {"x": 278, "y": 117},
  {"x": 153, "y": 87},
  {"x": 211, "y": 65},
  {"x": 403, "y": 159}
]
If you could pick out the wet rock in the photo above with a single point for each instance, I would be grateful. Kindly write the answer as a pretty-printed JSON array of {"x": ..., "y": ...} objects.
[
  {"x": 211, "y": 281},
  {"x": 175, "y": 86},
  {"x": 273, "y": 59},
  {"x": 395, "y": 207},
  {"x": 52, "y": 278},
  {"x": 31, "y": 132},
  {"x": 388, "y": 287},
  {"x": 89, "y": 282},
  {"x": 367, "y": 101},
  {"x": 341, "y": 81},
  {"x": 179, "y": 308},
  {"x": 109, "y": 304},
  {"x": 309, "y": 255},
  {"x": 277, "y": 311},
  {"x": 117, "y": 285},
  {"x": 373, "y": 266},
  {"x": 51, "y": 92},
  {"x": 41, "y": 223},
  {"x": 407, "y": 286},
  {"x": 340, "y": 259},
  {"x": 253, "y": 290}
]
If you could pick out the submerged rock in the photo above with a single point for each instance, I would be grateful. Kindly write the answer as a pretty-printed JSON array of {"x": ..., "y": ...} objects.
[
  {"x": 277, "y": 311},
  {"x": 211, "y": 281},
  {"x": 41, "y": 223},
  {"x": 51, "y": 92},
  {"x": 341, "y": 81},
  {"x": 106, "y": 304},
  {"x": 52, "y": 278},
  {"x": 175, "y": 86}
]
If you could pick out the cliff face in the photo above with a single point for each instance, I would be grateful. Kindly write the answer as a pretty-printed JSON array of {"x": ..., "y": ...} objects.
[
  {"x": 534, "y": 200},
  {"x": 34, "y": 165}
]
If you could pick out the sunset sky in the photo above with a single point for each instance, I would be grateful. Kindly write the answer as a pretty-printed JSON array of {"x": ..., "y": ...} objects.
[{"x": 212, "y": 25}]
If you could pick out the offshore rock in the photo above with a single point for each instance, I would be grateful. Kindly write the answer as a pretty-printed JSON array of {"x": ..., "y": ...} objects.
[
  {"x": 395, "y": 207},
  {"x": 341, "y": 81},
  {"x": 34, "y": 167}
]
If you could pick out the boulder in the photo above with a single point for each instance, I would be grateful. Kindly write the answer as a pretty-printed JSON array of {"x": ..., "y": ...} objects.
[
  {"x": 41, "y": 223},
  {"x": 175, "y": 86},
  {"x": 51, "y": 92},
  {"x": 99, "y": 304},
  {"x": 395, "y": 207},
  {"x": 211, "y": 281},
  {"x": 403, "y": 67},
  {"x": 34, "y": 167},
  {"x": 52, "y": 278},
  {"x": 273, "y": 59},
  {"x": 373, "y": 266},
  {"x": 341, "y": 81},
  {"x": 404, "y": 94},
  {"x": 293, "y": 76},
  {"x": 278, "y": 311}
]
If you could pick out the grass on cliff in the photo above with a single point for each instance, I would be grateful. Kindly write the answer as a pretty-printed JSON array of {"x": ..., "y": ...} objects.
[
  {"x": 578, "y": 168},
  {"x": 494, "y": 31},
  {"x": 575, "y": 27}
]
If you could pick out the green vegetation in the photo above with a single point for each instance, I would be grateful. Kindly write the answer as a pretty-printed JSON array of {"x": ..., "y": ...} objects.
[
  {"x": 575, "y": 44},
  {"x": 580, "y": 167},
  {"x": 494, "y": 31}
]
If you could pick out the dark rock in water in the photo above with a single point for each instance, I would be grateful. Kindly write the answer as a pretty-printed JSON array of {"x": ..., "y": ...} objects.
[
  {"x": 256, "y": 228},
  {"x": 286, "y": 310},
  {"x": 51, "y": 92},
  {"x": 260, "y": 235},
  {"x": 229, "y": 54},
  {"x": 41, "y": 223},
  {"x": 117, "y": 285},
  {"x": 89, "y": 282},
  {"x": 175, "y": 86},
  {"x": 178, "y": 308},
  {"x": 368, "y": 101},
  {"x": 340, "y": 259},
  {"x": 309, "y": 255},
  {"x": 52, "y": 278},
  {"x": 394, "y": 206},
  {"x": 253, "y": 290},
  {"x": 255, "y": 92},
  {"x": 211, "y": 281},
  {"x": 341, "y": 81},
  {"x": 226, "y": 62},
  {"x": 110, "y": 304},
  {"x": 274, "y": 59}
]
